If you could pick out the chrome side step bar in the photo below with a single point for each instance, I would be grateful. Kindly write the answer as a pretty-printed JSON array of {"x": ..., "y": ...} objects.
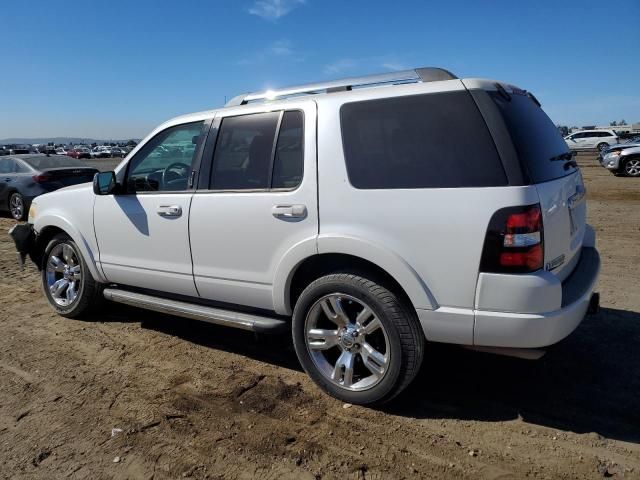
[{"x": 218, "y": 316}]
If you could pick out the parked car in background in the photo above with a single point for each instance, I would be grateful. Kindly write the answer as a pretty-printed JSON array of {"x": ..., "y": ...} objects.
[
  {"x": 47, "y": 150},
  {"x": 24, "y": 177},
  {"x": 20, "y": 149},
  {"x": 623, "y": 158},
  {"x": 4, "y": 151},
  {"x": 79, "y": 153},
  {"x": 101, "y": 152},
  {"x": 118, "y": 152},
  {"x": 588, "y": 139},
  {"x": 61, "y": 151},
  {"x": 295, "y": 215}
]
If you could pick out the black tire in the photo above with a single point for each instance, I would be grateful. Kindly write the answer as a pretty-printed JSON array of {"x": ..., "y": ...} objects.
[
  {"x": 631, "y": 167},
  {"x": 89, "y": 294},
  {"x": 602, "y": 146},
  {"x": 405, "y": 339},
  {"x": 18, "y": 206}
]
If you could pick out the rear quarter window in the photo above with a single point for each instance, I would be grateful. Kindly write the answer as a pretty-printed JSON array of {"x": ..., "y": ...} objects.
[
  {"x": 535, "y": 137},
  {"x": 421, "y": 141}
]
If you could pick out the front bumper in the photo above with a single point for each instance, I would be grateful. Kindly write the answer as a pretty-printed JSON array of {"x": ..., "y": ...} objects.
[
  {"x": 535, "y": 330},
  {"x": 610, "y": 162}
]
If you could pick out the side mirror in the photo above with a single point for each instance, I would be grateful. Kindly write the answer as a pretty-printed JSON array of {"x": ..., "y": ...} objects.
[{"x": 104, "y": 183}]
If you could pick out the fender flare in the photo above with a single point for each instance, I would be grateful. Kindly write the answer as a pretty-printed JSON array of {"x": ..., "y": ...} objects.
[
  {"x": 415, "y": 288},
  {"x": 52, "y": 220},
  {"x": 284, "y": 273}
]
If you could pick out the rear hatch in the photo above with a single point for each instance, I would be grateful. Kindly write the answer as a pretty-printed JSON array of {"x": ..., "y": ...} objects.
[{"x": 549, "y": 164}]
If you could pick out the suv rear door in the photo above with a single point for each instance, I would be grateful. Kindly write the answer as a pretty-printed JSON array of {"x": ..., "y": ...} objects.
[
  {"x": 548, "y": 163},
  {"x": 256, "y": 202}
]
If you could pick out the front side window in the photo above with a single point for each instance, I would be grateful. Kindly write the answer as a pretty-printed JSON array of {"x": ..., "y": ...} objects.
[
  {"x": 165, "y": 163},
  {"x": 245, "y": 157}
]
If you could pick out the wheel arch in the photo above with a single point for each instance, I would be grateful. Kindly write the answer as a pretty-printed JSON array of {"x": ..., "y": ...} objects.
[
  {"x": 50, "y": 225},
  {"x": 347, "y": 253}
]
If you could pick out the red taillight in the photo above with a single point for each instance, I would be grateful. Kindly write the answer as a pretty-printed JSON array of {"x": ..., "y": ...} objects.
[
  {"x": 531, "y": 259},
  {"x": 42, "y": 178},
  {"x": 514, "y": 241}
]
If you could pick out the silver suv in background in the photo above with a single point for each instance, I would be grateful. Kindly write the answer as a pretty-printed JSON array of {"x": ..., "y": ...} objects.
[
  {"x": 623, "y": 158},
  {"x": 589, "y": 139},
  {"x": 366, "y": 217}
]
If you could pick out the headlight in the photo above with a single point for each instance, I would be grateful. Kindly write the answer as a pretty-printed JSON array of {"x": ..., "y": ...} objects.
[{"x": 32, "y": 213}]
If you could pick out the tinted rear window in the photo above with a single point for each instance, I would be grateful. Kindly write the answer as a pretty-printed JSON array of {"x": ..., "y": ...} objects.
[
  {"x": 535, "y": 137},
  {"x": 422, "y": 141},
  {"x": 42, "y": 163}
]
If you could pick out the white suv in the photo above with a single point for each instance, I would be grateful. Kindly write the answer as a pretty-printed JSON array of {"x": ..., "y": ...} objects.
[
  {"x": 365, "y": 216},
  {"x": 588, "y": 139}
]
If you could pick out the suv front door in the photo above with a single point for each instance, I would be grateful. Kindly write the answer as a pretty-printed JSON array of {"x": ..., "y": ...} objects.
[
  {"x": 258, "y": 204},
  {"x": 142, "y": 232}
]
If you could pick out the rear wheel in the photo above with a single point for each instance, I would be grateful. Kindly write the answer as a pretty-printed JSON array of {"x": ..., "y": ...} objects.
[
  {"x": 602, "y": 146},
  {"x": 631, "y": 167},
  {"x": 357, "y": 340},
  {"x": 17, "y": 206},
  {"x": 66, "y": 280}
]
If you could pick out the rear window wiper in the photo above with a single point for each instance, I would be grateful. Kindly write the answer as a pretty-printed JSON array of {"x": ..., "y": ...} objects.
[{"x": 563, "y": 157}]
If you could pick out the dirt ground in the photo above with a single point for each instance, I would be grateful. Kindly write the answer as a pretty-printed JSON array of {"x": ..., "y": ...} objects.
[{"x": 192, "y": 400}]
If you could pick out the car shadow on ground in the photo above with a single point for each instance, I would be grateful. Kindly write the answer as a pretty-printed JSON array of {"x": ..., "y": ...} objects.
[{"x": 590, "y": 382}]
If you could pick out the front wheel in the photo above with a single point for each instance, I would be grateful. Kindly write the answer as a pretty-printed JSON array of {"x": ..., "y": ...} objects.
[
  {"x": 602, "y": 147},
  {"x": 631, "y": 167},
  {"x": 357, "y": 340},
  {"x": 66, "y": 279}
]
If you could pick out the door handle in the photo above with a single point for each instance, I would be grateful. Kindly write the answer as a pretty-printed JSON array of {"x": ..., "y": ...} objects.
[
  {"x": 289, "y": 211},
  {"x": 169, "y": 210}
]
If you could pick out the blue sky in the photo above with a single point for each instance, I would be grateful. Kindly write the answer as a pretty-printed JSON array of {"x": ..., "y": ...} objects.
[{"x": 115, "y": 69}]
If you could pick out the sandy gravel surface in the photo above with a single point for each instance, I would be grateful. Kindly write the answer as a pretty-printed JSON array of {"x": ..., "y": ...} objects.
[{"x": 193, "y": 400}]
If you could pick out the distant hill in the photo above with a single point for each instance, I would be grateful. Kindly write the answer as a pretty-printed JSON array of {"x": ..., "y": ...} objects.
[{"x": 63, "y": 140}]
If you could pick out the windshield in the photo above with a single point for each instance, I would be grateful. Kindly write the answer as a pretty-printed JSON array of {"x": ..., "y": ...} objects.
[{"x": 541, "y": 148}]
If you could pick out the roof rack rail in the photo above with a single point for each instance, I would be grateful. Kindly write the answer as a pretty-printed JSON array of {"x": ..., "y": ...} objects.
[{"x": 424, "y": 74}]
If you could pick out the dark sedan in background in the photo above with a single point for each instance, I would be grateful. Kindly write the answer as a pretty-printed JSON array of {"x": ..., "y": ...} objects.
[{"x": 24, "y": 177}]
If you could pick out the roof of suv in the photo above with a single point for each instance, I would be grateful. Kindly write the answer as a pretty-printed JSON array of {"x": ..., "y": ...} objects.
[{"x": 318, "y": 91}]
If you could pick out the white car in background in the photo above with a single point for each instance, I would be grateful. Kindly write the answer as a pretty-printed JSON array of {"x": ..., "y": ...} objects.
[
  {"x": 101, "y": 152},
  {"x": 588, "y": 139}
]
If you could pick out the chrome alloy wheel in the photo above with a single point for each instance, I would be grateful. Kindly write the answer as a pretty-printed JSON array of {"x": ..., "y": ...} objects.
[
  {"x": 16, "y": 206},
  {"x": 347, "y": 342},
  {"x": 632, "y": 167},
  {"x": 64, "y": 274}
]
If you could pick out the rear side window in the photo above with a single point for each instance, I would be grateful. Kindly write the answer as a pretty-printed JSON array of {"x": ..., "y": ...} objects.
[
  {"x": 535, "y": 137},
  {"x": 289, "y": 159},
  {"x": 422, "y": 141},
  {"x": 245, "y": 157}
]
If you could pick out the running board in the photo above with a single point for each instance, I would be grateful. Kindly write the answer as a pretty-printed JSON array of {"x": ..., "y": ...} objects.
[{"x": 218, "y": 316}]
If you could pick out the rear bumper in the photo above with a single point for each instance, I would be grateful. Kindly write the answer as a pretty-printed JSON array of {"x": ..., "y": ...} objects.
[{"x": 534, "y": 330}]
